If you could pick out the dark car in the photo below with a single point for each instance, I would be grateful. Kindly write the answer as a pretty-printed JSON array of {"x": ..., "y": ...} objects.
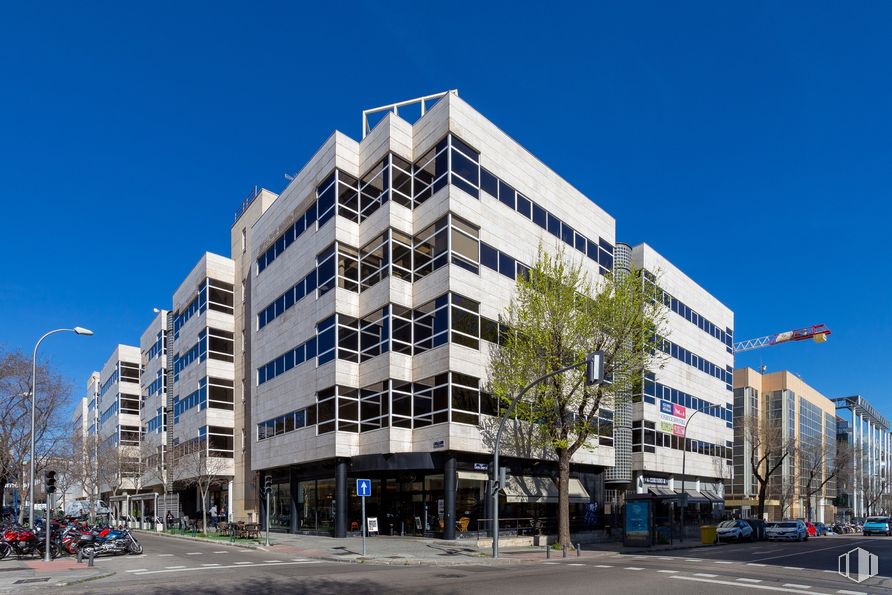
[
  {"x": 758, "y": 526},
  {"x": 821, "y": 529}
]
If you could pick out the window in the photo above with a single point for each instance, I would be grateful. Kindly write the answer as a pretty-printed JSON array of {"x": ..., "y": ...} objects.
[
  {"x": 430, "y": 172},
  {"x": 220, "y": 344},
  {"x": 431, "y": 247},
  {"x": 465, "y": 245},
  {"x": 374, "y": 260}
]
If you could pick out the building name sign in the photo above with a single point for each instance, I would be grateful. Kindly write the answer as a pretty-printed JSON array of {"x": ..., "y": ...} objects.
[{"x": 657, "y": 481}]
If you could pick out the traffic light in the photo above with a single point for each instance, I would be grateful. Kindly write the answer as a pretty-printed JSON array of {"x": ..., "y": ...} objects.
[
  {"x": 594, "y": 368},
  {"x": 268, "y": 483},
  {"x": 50, "y": 481}
]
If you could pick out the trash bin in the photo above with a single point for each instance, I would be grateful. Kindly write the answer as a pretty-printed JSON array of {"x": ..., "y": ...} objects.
[{"x": 707, "y": 534}]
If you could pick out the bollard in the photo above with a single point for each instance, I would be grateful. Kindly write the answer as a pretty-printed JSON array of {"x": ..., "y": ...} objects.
[
  {"x": 578, "y": 549},
  {"x": 565, "y": 550},
  {"x": 90, "y": 559},
  {"x": 548, "y": 551},
  {"x": 80, "y": 557}
]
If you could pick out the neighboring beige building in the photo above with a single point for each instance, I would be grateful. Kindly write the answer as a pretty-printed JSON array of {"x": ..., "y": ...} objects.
[{"x": 808, "y": 419}]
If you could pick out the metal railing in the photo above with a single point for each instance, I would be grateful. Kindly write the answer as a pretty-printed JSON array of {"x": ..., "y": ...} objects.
[{"x": 246, "y": 202}]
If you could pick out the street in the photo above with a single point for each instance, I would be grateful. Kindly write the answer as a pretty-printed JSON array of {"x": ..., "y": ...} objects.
[{"x": 180, "y": 566}]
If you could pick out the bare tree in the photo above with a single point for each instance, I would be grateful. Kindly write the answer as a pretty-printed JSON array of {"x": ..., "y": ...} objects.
[
  {"x": 770, "y": 446},
  {"x": 204, "y": 472},
  {"x": 874, "y": 490},
  {"x": 818, "y": 466},
  {"x": 15, "y": 418}
]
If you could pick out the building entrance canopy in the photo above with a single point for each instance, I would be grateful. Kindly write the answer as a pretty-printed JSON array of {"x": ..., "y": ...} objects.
[{"x": 541, "y": 490}]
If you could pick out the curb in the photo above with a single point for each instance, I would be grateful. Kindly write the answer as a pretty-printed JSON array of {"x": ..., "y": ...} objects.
[
  {"x": 78, "y": 581},
  {"x": 424, "y": 562},
  {"x": 246, "y": 546}
]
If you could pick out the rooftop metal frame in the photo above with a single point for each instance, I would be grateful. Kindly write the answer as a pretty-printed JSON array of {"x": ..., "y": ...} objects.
[
  {"x": 858, "y": 404},
  {"x": 394, "y": 107}
]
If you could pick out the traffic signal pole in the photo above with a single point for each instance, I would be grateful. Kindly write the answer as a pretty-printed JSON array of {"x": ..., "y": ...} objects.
[{"x": 50, "y": 484}]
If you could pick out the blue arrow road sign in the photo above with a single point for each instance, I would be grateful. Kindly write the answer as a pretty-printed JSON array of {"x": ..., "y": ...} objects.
[{"x": 363, "y": 487}]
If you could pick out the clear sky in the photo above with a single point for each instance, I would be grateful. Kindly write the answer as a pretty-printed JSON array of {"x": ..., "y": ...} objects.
[{"x": 750, "y": 144}]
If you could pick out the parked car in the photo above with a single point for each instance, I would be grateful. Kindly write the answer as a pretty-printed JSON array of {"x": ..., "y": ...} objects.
[
  {"x": 875, "y": 525},
  {"x": 822, "y": 529},
  {"x": 758, "y": 526},
  {"x": 734, "y": 531},
  {"x": 81, "y": 508},
  {"x": 812, "y": 530},
  {"x": 787, "y": 530}
]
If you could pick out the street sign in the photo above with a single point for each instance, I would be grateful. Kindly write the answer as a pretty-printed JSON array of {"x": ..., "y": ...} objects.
[{"x": 363, "y": 487}]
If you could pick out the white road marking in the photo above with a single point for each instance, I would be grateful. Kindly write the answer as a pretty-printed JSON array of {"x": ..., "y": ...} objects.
[
  {"x": 244, "y": 562},
  {"x": 797, "y": 586},
  {"x": 138, "y": 570},
  {"x": 164, "y": 555},
  {"x": 549, "y": 562},
  {"x": 210, "y": 564},
  {"x": 222, "y": 552},
  {"x": 693, "y": 560},
  {"x": 705, "y": 575},
  {"x": 793, "y": 567},
  {"x": 173, "y": 567},
  {"x": 665, "y": 558},
  {"x": 633, "y": 568},
  {"x": 833, "y": 571},
  {"x": 298, "y": 560},
  {"x": 184, "y": 569},
  {"x": 844, "y": 592},
  {"x": 754, "y": 564},
  {"x": 810, "y": 551},
  {"x": 722, "y": 562},
  {"x": 194, "y": 553},
  {"x": 668, "y": 571},
  {"x": 736, "y": 584},
  {"x": 766, "y": 551},
  {"x": 576, "y": 564},
  {"x": 280, "y": 560},
  {"x": 750, "y": 580},
  {"x": 603, "y": 566}
]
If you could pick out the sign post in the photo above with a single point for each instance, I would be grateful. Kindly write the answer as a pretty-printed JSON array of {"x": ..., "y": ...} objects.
[{"x": 363, "y": 490}]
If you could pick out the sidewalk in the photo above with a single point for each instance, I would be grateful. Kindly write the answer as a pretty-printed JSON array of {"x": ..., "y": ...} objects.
[
  {"x": 61, "y": 571},
  {"x": 407, "y": 551}
]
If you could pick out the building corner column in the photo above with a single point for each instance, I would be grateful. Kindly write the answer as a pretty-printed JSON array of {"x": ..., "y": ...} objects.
[
  {"x": 449, "y": 490},
  {"x": 341, "y": 498}
]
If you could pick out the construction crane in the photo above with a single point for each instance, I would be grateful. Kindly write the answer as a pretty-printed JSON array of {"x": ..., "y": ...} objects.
[{"x": 817, "y": 333}]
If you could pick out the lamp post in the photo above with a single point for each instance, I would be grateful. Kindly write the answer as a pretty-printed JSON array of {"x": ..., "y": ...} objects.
[
  {"x": 594, "y": 374},
  {"x": 684, "y": 452},
  {"x": 77, "y": 330}
]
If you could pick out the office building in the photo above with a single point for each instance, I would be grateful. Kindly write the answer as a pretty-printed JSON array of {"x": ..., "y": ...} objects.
[
  {"x": 795, "y": 418},
  {"x": 682, "y": 422},
  {"x": 867, "y": 484}
]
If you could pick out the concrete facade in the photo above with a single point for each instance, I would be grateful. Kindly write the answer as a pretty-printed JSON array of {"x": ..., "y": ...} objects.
[{"x": 153, "y": 407}]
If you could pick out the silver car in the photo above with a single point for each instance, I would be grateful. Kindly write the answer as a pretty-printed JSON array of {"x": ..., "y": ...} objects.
[{"x": 786, "y": 530}]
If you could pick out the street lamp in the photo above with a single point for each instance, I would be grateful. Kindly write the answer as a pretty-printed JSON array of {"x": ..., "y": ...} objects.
[
  {"x": 684, "y": 452},
  {"x": 77, "y": 330}
]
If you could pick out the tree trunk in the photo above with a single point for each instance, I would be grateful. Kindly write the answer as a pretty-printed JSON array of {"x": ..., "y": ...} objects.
[
  {"x": 564, "y": 497},
  {"x": 763, "y": 494}
]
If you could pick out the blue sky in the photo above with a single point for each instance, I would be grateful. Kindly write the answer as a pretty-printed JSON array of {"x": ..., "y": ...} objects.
[{"x": 749, "y": 144}]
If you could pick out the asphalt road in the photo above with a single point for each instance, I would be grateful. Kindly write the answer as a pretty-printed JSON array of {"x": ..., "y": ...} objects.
[{"x": 176, "y": 566}]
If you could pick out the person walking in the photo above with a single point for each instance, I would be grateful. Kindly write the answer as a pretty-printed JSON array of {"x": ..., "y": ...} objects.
[
  {"x": 168, "y": 520},
  {"x": 213, "y": 513}
]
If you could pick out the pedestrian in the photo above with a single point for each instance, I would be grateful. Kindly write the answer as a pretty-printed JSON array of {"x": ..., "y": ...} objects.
[
  {"x": 221, "y": 515},
  {"x": 168, "y": 520},
  {"x": 213, "y": 513}
]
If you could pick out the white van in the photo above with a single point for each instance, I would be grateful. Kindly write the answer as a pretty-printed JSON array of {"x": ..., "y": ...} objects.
[{"x": 80, "y": 508}]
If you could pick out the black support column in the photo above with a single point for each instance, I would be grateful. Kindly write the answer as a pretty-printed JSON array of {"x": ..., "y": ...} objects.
[
  {"x": 449, "y": 489},
  {"x": 341, "y": 499}
]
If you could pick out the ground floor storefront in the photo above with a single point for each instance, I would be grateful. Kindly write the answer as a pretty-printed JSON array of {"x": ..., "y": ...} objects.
[{"x": 432, "y": 494}]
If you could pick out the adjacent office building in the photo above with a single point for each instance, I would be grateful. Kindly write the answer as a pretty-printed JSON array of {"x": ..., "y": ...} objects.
[
  {"x": 154, "y": 403},
  {"x": 119, "y": 427},
  {"x": 867, "y": 483},
  {"x": 806, "y": 420},
  {"x": 200, "y": 423},
  {"x": 683, "y": 420}
]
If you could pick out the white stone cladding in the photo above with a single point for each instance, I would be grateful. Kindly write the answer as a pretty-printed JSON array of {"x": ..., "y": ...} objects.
[
  {"x": 187, "y": 425},
  {"x": 109, "y": 428},
  {"x": 154, "y": 372},
  {"x": 500, "y": 227},
  {"x": 702, "y": 470}
]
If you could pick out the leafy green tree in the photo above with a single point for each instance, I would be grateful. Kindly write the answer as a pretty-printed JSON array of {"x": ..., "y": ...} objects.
[{"x": 557, "y": 316}]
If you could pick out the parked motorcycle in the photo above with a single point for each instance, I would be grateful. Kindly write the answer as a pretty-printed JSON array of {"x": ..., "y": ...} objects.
[
  {"x": 25, "y": 542},
  {"x": 109, "y": 542}
]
